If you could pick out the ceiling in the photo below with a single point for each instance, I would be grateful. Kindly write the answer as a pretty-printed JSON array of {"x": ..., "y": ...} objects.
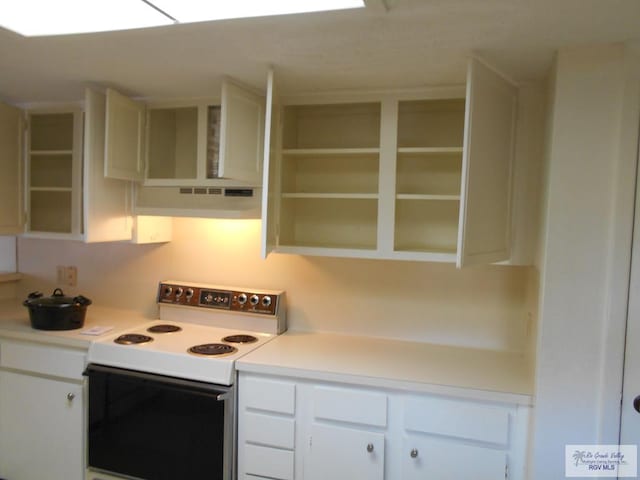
[{"x": 413, "y": 43}]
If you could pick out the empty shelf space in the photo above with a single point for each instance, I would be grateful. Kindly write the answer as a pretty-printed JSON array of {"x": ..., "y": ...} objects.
[
  {"x": 426, "y": 226},
  {"x": 353, "y": 125},
  {"x": 329, "y": 222},
  {"x": 431, "y": 123},
  {"x": 430, "y": 150},
  {"x": 331, "y": 174}
]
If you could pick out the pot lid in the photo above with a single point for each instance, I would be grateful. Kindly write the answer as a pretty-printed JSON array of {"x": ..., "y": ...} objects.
[{"x": 57, "y": 300}]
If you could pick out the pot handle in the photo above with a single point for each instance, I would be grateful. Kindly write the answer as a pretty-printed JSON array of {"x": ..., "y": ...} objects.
[
  {"x": 31, "y": 296},
  {"x": 57, "y": 293},
  {"x": 84, "y": 301}
]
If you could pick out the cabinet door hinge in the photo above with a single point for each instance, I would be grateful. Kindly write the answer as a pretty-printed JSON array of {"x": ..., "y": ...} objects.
[{"x": 506, "y": 471}]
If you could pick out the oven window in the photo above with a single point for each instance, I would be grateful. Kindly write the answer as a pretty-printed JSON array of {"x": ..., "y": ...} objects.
[{"x": 152, "y": 429}]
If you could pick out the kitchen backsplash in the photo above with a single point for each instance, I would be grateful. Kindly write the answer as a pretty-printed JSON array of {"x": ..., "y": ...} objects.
[{"x": 484, "y": 307}]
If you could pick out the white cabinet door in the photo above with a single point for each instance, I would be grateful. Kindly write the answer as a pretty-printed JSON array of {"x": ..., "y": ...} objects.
[
  {"x": 271, "y": 188},
  {"x": 10, "y": 163},
  {"x": 241, "y": 134},
  {"x": 106, "y": 202},
  {"x": 342, "y": 453},
  {"x": 124, "y": 138},
  {"x": 40, "y": 428},
  {"x": 485, "y": 214},
  {"x": 428, "y": 457}
]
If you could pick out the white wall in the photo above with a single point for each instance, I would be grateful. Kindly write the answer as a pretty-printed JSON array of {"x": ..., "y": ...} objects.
[
  {"x": 482, "y": 307},
  {"x": 585, "y": 264},
  {"x": 7, "y": 254}
]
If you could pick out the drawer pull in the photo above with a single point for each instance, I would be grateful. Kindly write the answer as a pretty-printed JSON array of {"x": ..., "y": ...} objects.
[
  {"x": 370, "y": 447},
  {"x": 70, "y": 397},
  {"x": 414, "y": 453}
]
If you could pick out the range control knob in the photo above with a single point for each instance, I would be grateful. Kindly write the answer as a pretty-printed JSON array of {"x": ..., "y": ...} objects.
[
  {"x": 266, "y": 301},
  {"x": 189, "y": 293},
  {"x": 242, "y": 298},
  {"x": 167, "y": 291},
  {"x": 254, "y": 299},
  {"x": 179, "y": 292}
]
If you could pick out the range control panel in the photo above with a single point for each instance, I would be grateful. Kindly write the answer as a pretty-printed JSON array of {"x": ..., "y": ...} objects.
[{"x": 233, "y": 300}]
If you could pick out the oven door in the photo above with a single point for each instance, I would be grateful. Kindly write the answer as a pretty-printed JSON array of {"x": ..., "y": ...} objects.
[{"x": 153, "y": 427}]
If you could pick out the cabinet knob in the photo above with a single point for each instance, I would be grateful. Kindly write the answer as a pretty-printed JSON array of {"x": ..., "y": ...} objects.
[
  {"x": 370, "y": 447},
  {"x": 70, "y": 396},
  {"x": 414, "y": 453}
]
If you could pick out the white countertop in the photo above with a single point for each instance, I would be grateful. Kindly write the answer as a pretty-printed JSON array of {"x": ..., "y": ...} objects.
[
  {"x": 474, "y": 373},
  {"x": 420, "y": 367},
  {"x": 14, "y": 323}
]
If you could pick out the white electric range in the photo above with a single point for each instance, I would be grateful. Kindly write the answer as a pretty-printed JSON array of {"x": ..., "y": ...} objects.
[{"x": 161, "y": 395}]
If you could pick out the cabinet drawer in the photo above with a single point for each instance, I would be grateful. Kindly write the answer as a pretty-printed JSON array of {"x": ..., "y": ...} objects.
[
  {"x": 346, "y": 405},
  {"x": 269, "y": 430},
  {"x": 268, "y": 462},
  {"x": 457, "y": 418},
  {"x": 59, "y": 362},
  {"x": 269, "y": 395}
]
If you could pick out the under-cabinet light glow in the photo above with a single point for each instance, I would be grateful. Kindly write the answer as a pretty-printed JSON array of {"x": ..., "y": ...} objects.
[{"x": 57, "y": 17}]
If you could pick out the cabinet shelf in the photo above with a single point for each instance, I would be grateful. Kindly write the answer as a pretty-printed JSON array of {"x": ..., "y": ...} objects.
[
  {"x": 51, "y": 189},
  {"x": 343, "y": 196},
  {"x": 415, "y": 196},
  {"x": 430, "y": 150},
  {"x": 37, "y": 153},
  {"x": 304, "y": 152}
]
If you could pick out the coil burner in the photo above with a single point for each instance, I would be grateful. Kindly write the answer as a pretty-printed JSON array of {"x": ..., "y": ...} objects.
[
  {"x": 212, "y": 349},
  {"x": 133, "y": 339},
  {"x": 240, "y": 338},
  {"x": 164, "y": 328}
]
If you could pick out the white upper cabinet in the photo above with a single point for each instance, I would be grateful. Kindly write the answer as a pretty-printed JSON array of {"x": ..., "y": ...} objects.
[
  {"x": 53, "y": 172},
  {"x": 107, "y": 202},
  {"x": 241, "y": 134},
  {"x": 11, "y": 127},
  {"x": 107, "y": 210},
  {"x": 123, "y": 150},
  {"x": 485, "y": 213},
  {"x": 191, "y": 143},
  {"x": 412, "y": 175}
]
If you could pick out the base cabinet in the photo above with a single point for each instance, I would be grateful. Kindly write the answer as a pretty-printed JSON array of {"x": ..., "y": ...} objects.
[
  {"x": 322, "y": 430},
  {"x": 342, "y": 453},
  {"x": 446, "y": 459},
  {"x": 41, "y": 413}
]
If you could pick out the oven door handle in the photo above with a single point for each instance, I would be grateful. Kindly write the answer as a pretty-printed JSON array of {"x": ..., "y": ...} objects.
[{"x": 220, "y": 392}]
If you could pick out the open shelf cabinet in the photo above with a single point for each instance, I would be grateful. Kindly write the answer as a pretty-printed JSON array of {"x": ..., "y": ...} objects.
[
  {"x": 53, "y": 173},
  {"x": 420, "y": 175}
]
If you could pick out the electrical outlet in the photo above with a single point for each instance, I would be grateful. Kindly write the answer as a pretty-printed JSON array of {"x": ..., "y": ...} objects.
[
  {"x": 67, "y": 276},
  {"x": 72, "y": 276}
]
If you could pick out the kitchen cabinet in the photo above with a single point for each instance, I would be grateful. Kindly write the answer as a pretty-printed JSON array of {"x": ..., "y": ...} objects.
[
  {"x": 413, "y": 175},
  {"x": 266, "y": 428},
  {"x": 41, "y": 412},
  {"x": 344, "y": 431},
  {"x": 11, "y": 127},
  {"x": 53, "y": 172},
  {"x": 193, "y": 157},
  {"x": 107, "y": 202},
  {"x": 60, "y": 163}
]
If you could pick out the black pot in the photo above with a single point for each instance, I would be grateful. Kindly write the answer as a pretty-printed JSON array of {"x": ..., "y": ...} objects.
[{"x": 57, "y": 312}]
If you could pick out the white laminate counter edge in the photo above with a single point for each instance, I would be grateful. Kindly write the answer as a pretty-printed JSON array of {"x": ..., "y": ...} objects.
[
  {"x": 389, "y": 384},
  {"x": 376, "y": 362},
  {"x": 6, "y": 277}
]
